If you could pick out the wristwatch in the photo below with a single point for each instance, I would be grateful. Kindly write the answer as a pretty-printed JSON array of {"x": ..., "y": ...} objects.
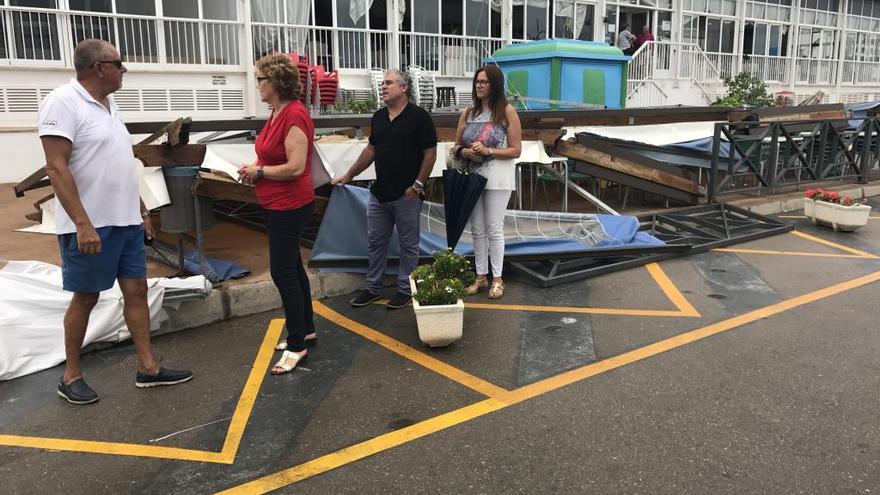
[{"x": 260, "y": 172}]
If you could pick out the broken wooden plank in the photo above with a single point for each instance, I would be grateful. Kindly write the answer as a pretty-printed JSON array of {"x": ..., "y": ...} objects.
[
  {"x": 34, "y": 181},
  {"x": 627, "y": 163},
  {"x": 176, "y": 131},
  {"x": 166, "y": 156},
  {"x": 216, "y": 187}
]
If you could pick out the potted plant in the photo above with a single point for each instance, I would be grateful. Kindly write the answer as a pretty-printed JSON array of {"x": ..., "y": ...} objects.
[
  {"x": 830, "y": 209},
  {"x": 437, "y": 290}
]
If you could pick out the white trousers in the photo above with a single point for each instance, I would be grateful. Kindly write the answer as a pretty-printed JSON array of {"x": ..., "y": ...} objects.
[{"x": 487, "y": 228}]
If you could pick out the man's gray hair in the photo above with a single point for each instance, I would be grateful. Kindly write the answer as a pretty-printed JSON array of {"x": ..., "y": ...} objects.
[
  {"x": 404, "y": 79},
  {"x": 87, "y": 52}
]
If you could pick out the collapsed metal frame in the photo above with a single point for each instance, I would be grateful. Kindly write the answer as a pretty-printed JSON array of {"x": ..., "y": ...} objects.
[
  {"x": 698, "y": 229},
  {"x": 769, "y": 155}
]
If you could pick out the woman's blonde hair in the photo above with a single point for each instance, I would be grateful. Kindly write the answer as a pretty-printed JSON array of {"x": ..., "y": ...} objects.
[{"x": 282, "y": 74}]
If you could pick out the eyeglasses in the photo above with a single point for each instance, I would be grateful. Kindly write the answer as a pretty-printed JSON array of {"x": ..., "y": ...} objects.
[
  {"x": 117, "y": 63},
  {"x": 480, "y": 82}
]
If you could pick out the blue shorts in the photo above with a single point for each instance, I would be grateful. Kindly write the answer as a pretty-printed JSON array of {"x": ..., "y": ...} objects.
[{"x": 123, "y": 255}]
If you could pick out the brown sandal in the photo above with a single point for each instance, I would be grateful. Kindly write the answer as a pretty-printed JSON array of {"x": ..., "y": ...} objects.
[
  {"x": 497, "y": 290},
  {"x": 480, "y": 283}
]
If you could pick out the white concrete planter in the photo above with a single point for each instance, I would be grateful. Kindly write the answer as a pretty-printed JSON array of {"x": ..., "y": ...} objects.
[
  {"x": 439, "y": 325},
  {"x": 838, "y": 217}
]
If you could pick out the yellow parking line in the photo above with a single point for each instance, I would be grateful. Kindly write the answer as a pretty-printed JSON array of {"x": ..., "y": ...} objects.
[
  {"x": 251, "y": 389},
  {"x": 589, "y": 370},
  {"x": 684, "y": 308},
  {"x": 378, "y": 444},
  {"x": 112, "y": 448},
  {"x": 576, "y": 310},
  {"x": 833, "y": 244},
  {"x": 786, "y": 253},
  {"x": 671, "y": 291},
  {"x": 230, "y": 445},
  {"x": 451, "y": 372},
  {"x": 365, "y": 449}
]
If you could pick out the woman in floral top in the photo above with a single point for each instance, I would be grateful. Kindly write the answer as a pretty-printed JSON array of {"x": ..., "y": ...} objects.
[{"x": 488, "y": 140}]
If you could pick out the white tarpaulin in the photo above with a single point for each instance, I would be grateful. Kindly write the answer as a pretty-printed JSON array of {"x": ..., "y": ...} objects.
[
  {"x": 32, "y": 307},
  {"x": 655, "y": 135},
  {"x": 153, "y": 191},
  {"x": 332, "y": 159}
]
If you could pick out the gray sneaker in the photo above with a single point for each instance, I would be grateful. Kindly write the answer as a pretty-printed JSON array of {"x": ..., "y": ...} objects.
[
  {"x": 399, "y": 300},
  {"x": 364, "y": 298},
  {"x": 163, "y": 377},
  {"x": 77, "y": 392}
]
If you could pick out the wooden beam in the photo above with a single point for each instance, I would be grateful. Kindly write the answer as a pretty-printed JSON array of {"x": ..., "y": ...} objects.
[
  {"x": 173, "y": 131},
  {"x": 216, "y": 187},
  {"x": 625, "y": 166},
  {"x": 43, "y": 200},
  {"x": 160, "y": 155},
  {"x": 33, "y": 181}
]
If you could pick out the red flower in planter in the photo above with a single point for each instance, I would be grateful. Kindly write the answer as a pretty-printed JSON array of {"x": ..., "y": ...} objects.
[{"x": 820, "y": 194}]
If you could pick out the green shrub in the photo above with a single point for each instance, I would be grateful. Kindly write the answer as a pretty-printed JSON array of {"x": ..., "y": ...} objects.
[
  {"x": 745, "y": 90},
  {"x": 444, "y": 281}
]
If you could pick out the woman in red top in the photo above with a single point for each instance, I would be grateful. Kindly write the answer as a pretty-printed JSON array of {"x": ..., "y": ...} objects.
[{"x": 284, "y": 190}]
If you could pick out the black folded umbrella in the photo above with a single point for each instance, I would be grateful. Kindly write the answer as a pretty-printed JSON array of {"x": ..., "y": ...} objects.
[{"x": 461, "y": 191}]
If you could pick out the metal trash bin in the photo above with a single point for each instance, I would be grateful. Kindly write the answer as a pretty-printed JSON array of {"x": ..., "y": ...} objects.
[{"x": 180, "y": 216}]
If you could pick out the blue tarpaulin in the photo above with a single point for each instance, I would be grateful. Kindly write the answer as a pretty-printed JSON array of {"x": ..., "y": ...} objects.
[
  {"x": 343, "y": 234},
  {"x": 216, "y": 270},
  {"x": 860, "y": 111}
]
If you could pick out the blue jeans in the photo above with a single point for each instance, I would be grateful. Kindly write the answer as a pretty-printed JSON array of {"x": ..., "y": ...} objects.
[{"x": 381, "y": 220}]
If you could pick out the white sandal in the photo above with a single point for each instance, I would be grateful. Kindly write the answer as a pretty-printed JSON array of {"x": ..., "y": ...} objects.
[
  {"x": 288, "y": 362},
  {"x": 311, "y": 340}
]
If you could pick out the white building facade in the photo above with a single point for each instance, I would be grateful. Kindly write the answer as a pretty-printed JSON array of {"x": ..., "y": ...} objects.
[{"x": 195, "y": 57}]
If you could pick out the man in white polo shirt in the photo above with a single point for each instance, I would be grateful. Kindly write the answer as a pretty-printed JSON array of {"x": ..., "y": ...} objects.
[{"x": 100, "y": 219}]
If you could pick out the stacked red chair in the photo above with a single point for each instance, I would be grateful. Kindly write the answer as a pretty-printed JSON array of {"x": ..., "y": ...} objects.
[
  {"x": 302, "y": 64},
  {"x": 326, "y": 82}
]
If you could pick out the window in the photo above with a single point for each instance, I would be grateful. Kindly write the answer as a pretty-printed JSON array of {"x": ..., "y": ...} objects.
[
  {"x": 426, "y": 18},
  {"x": 35, "y": 33},
  {"x": 135, "y": 7},
  {"x": 536, "y": 19},
  {"x": 573, "y": 20},
  {"x": 221, "y": 10},
  {"x": 816, "y": 43},
  {"x": 452, "y": 18},
  {"x": 188, "y": 9},
  {"x": 477, "y": 18},
  {"x": 760, "y": 46},
  {"x": 353, "y": 13},
  {"x": 91, "y": 5}
]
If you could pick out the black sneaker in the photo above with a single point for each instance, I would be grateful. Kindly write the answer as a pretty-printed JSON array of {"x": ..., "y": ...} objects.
[
  {"x": 78, "y": 392},
  {"x": 399, "y": 300},
  {"x": 164, "y": 377},
  {"x": 363, "y": 298}
]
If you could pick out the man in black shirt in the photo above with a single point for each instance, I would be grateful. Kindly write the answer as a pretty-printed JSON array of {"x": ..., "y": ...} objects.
[{"x": 403, "y": 143}]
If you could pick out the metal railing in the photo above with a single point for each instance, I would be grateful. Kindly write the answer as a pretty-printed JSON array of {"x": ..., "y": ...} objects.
[
  {"x": 30, "y": 34},
  {"x": 644, "y": 93},
  {"x": 43, "y": 35},
  {"x": 448, "y": 55},
  {"x": 815, "y": 71},
  {"x": 764, "y": 156},
  {"x": 679, "y": 61},
  {"x": 333, "y": 48},
  {"x": 860, "y": 73},
  {"x": 766, "y": 68}
]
